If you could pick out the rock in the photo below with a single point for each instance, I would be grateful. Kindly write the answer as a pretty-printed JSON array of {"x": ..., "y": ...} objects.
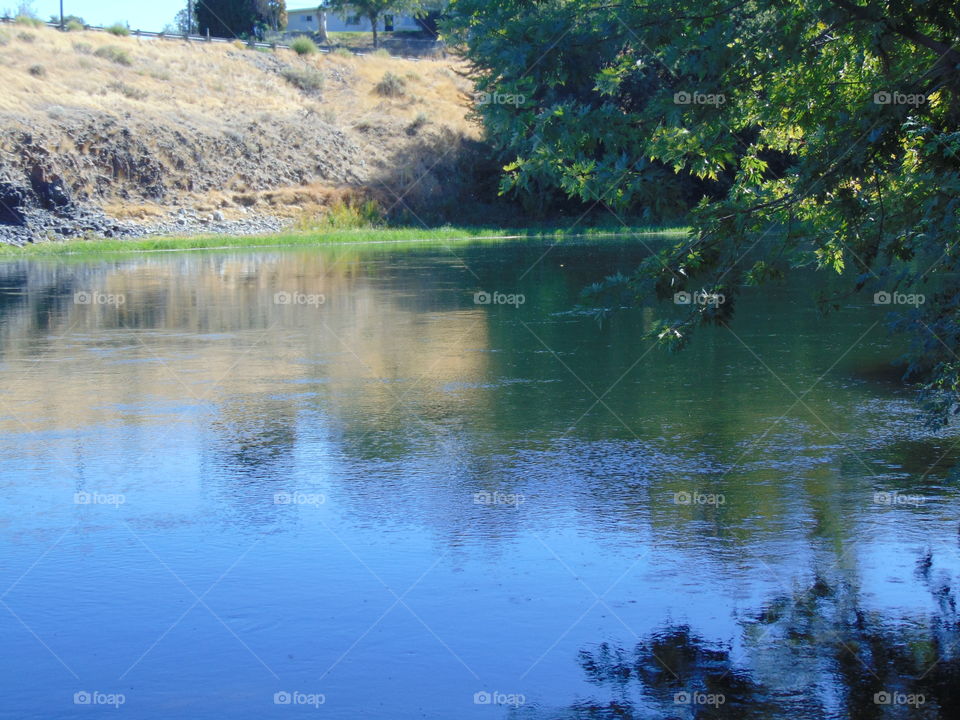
[
  {"x": 13, "y": 198},
  {"x": 217, "y": 216}
]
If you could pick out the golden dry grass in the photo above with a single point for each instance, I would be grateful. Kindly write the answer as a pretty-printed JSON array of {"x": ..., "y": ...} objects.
[
  {"x": 211, "y": 83},
  {"x": 222, "y": 89}
]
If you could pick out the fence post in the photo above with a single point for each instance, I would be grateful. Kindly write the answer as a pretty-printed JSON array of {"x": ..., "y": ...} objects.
[{"x": 208, "y": 35}]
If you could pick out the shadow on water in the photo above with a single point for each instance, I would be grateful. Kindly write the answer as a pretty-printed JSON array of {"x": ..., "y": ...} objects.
[{"x": 817, "y": 652}]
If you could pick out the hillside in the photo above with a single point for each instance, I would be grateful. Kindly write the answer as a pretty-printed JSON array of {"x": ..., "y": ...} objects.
[{"x": 118, "y": 135}]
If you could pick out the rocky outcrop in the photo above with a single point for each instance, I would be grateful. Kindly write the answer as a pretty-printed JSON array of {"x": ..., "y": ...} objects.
[{"x": 55, "y": 175}]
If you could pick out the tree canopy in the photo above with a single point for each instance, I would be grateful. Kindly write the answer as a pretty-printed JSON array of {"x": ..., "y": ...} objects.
[
  {"x": 235, "y": 18},
  {"x": 789, "y": 132},
  {"x": 374, "y": 10}
]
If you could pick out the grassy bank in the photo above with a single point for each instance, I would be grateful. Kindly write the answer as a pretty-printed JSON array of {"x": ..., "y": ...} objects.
[{"x": 417, "y": 236}]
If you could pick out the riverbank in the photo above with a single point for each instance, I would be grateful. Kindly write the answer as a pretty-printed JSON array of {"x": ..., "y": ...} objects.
[
  {"x": 371, "y": 235},
  {"x": 126, "y": 137}
]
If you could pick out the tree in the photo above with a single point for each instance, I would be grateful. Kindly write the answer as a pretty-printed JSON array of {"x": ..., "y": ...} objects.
[
  {"x": 796, "y": 133},
  {"x": 25, "y": 9},
  {"x": 273, "y": 13},
  {"x": 373, "y": 10},
  {"x": 182, "y": 23},
  {"x": 431, "y": 14},
  {"x": 235, "y": 18}
]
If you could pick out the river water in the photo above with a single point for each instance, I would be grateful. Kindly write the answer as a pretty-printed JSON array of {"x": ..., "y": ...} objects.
[{"x": 362, "y": 482}]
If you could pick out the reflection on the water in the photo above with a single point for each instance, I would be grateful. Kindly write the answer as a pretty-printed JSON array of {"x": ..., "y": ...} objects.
[
  {"x": 813, "y": 653},
  {"x": 683, "y": 498}
]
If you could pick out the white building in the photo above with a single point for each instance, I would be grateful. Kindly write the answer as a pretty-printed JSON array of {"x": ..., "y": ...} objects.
[{"x": 309, "y": 20}]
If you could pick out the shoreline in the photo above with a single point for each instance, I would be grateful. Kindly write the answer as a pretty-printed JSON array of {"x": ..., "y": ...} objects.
[{"x": 319, "y": 238}]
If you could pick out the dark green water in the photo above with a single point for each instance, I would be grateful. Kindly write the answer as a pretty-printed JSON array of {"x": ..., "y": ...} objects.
[{"x": 235, "y": 479}]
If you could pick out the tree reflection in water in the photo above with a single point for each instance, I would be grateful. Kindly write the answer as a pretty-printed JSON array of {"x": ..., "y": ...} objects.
[{"x": 814, "y": 654}]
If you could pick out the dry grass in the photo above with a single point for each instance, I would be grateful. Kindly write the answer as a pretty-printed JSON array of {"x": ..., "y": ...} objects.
[
  {"x": 210, "y": 83},
  {"x": 222, "y": 90}
]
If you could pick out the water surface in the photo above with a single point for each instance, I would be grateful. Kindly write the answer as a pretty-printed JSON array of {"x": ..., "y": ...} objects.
[{"x": 332, "y": 472}]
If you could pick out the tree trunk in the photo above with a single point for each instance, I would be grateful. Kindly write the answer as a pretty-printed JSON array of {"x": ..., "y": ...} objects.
[
  {"x": 322, "y": 27},
  {"x": 373, "y": 21}
]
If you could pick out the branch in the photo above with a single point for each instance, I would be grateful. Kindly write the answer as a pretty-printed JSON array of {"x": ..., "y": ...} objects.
[{"x": 858, "y": 12}]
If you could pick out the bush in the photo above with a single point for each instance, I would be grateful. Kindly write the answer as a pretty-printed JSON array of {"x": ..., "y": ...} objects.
[
  {"x": 28, "y": 21},
  {"x": 127, "y": 91},
  {"x": 344, "y": 216},
  {"x": 391, "y": 85},
  {"x": 307, "y": 79},
  {"x": 74, "y": 26},
  {"x": 26, "y": 37},
  {"x": 118, "y": 29},
  {"x": 343, "y": 52},
  {"x": 114, "y": 54},
  {"x": 418, "y": 122},
  {"x": 83, "y": 48},
  {"x": 302, "y": 45},
  {"x": 4, "y": 39},
  {"x": 38, "y": 71},
  {"x": 380, "y": 52}
]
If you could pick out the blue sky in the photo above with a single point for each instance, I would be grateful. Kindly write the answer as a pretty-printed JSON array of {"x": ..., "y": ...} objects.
[{"x": 150, "y": 16}]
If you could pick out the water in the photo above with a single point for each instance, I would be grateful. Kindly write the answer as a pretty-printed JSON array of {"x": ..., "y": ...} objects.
[{"x": 405, "y": 504}]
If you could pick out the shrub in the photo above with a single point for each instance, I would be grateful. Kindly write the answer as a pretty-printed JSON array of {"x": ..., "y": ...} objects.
[
  {"x": 344, "y": 216},
  {"x": 26, "y": 37},
  {"x": 343, "y": 52},
  {"x": 118, "y": 29},
  {"x": 418, "y": 122},
  {"x": 74, "y": 26},
  {"x": 83, "y": 48},
  {"x": 380, "y": 52},
  {"x": 127, "y": 91},
  {"x": 38, "y": 71},
  {"x": 391, "y": 85},
  {"x": 307, "y": 79},
  {"x": 4, "y": 39},
  {"x": 302, "y": 45},
  {"x": 28, "y": 21},
  {"x": 114, "y": 54}
]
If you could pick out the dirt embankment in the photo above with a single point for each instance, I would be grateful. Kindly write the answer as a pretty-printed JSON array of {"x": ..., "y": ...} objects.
[{"x": 121, "y": 136}]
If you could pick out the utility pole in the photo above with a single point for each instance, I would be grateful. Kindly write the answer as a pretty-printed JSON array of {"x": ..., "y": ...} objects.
[
  {"x": 61, "y": 15},
  {"x": 190, "y": 17}
]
